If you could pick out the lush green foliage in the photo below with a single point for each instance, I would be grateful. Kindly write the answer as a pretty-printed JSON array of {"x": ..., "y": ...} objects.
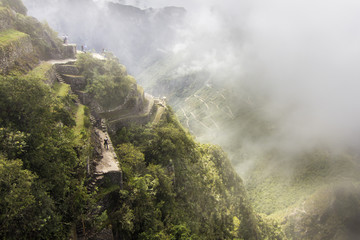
[
  {"x": 178, "y": 189},
  {"x": 9, "y": 36},
  {"x": 42, "y": 192},
  {"x": 106, "y": 80}
]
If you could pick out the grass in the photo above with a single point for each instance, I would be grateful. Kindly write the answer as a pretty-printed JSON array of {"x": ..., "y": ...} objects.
[
  {"x": 61, "y": 89},
  {"x": 81, "y": 129},
  {"x": 80, "y": 117},
  {"x": 72, "y": 76},
  {"x": 40, "y": 71},
  {"x": 9, "y": 36}
]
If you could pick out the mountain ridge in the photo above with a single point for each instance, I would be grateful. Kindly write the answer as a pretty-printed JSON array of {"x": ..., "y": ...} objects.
[{"x": 170, "y": 188}]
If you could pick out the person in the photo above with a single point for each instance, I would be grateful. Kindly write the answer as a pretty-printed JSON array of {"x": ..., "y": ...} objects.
[
  {"x": 82, "y": 48},
  {"x": 106, "y": 143},
  {"x": 65, "y": 39}
]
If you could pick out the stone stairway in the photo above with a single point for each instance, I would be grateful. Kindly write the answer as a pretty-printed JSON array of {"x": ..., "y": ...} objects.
[{"x": 59, "y": 78}]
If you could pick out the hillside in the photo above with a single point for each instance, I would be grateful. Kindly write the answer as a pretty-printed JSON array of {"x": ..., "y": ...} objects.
[
  {"x": 59, "y": 180},
  {"x": 43, "y": 155},
  {"x": 289, "y": 187}
]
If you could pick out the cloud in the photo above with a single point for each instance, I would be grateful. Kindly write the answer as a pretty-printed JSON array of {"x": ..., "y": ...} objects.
[{"x": 302, "y": 55}]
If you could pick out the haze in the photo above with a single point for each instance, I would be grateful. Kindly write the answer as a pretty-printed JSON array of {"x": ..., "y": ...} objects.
[{"x": 301, "y": 56}]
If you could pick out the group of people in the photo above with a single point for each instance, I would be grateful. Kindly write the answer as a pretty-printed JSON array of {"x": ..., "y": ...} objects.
[{"x": 83, "y": 47}]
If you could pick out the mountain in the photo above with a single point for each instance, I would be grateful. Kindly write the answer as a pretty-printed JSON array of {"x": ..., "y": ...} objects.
[
  {"x": 300, "y": 189},
  {"x": 164, "y": 185},
  {"x": 86, "y": 154},
  {"x": 137, "y": 36}
]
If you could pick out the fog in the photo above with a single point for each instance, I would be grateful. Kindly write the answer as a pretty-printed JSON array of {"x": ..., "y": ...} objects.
[
  {"x": 287, "y": 73},
  {"x": 300, "y": 56}
]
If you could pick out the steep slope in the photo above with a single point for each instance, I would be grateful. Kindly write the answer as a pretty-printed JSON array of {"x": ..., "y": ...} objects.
[
  {"x": 24, "y": 40},
  {"x": 280, "y": 184},
  {"x": 45, "y": 142},
  {"x": 173, "y": 187}
]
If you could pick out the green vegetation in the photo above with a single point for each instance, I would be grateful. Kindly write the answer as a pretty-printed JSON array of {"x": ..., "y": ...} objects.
[
  {"x": 40, "y": 71},
  {"x": 80, "y": 117},
  {"x": 42, "y": 44},
  {"x": 301, "y": 191},
  {"x": 9, "y": 36},
  {"x": 61, "y": 89},
  {"x": 175, "y": 188},
  {"x": 42, "y": 167},
  {"x": 82, "y": 122},
  {"x": 106, "y": 80}
]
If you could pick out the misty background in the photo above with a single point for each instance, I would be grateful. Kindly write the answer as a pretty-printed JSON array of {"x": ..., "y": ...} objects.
[{"x": 297, "y": 60}]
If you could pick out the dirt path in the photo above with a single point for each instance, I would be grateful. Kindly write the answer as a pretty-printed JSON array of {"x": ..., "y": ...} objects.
[
  {"x": 62, "y": 61},
  {"x": 72, "y": 60},
  {"x": 109, "y": 161}
]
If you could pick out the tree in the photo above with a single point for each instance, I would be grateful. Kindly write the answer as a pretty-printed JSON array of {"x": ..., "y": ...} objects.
[{"x": 16, "y": 198}]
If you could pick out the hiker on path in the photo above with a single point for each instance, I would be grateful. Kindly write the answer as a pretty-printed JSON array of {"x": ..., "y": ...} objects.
[{"x": 106, "y": 143}]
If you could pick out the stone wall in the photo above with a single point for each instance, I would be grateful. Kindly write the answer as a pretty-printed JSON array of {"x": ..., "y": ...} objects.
[
  {"x": 51, "y": 76},
  {"x": 69, "y": 51},
  {"x": 84, "y": 97},
  {"x": 77, "y": 83},
  {"x": 15, "y": 53},
  {"x": 67, "y": 69},
  {"x": 114, "y": 177}
]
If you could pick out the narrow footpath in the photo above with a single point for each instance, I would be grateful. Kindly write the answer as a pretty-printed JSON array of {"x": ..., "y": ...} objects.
[{"x": 108, "y": 161}]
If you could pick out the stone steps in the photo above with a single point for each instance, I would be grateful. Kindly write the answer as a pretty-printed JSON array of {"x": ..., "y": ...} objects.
[{"x": 61, "y": 80}]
